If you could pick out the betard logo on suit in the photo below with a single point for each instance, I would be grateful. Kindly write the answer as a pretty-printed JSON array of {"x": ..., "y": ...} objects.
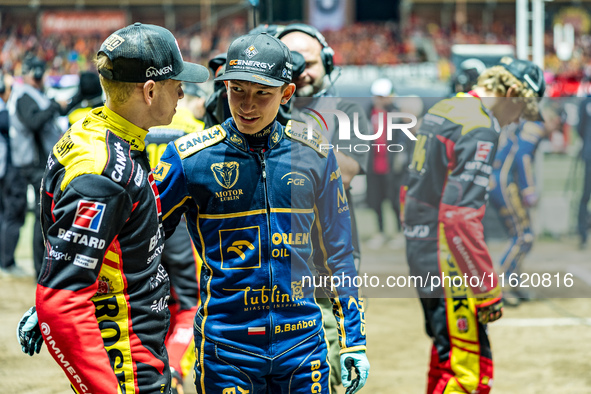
[{"x": 393, "y": 123}]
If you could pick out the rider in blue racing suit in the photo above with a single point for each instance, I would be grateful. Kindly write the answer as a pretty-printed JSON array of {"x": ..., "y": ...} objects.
[
  {"x": 513, "y": 193},
  {"x": 252, "y": 191}
]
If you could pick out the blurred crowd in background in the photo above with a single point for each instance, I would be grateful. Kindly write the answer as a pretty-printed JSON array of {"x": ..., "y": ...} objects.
[
  {"x": 357, "y": 44},
  {"x": 66, "y": 66}
]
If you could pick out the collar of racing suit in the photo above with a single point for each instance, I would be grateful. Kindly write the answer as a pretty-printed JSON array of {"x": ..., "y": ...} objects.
[
  {"x": 239, "y": 140},
  {"x": 120, "y": 126}
]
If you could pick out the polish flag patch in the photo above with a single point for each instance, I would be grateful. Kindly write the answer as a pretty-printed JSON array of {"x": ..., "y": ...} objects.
[
  {"x": 89, "y": 215},
  {"x": 256, "y": 330}
]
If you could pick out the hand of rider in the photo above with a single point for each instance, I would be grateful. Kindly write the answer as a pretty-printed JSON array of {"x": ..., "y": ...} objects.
[
  {"x": 354, "y": 361},
  {"x": 490, "y": 310},
  {"x": 28, "y": 332}
]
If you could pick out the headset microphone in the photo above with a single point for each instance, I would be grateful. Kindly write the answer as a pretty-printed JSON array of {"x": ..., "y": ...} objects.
[{"x": 331, "y": 82}]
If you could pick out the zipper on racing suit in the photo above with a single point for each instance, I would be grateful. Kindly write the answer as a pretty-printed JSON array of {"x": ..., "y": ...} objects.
[{"x": 268, "y": 209}]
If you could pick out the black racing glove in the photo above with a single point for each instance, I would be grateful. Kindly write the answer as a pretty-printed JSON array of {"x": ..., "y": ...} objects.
[
  {"x": 28, "y": 332},
  {"x": 490, "y": 310}
]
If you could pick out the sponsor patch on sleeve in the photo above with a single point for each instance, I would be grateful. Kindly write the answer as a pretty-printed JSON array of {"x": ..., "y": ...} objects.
[
  {"x": 139, "y": 176},
  {"x": 483, "y": 150},
  {"x": 161, "y": 171},
  {"x": 85, "y": 261},
  {"x": 89, "y": 215},
  {"x": 194, "y": 142}
]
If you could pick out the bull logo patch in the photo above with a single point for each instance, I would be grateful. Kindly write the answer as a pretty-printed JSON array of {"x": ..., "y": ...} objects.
[{"x": 226, "y": 173}]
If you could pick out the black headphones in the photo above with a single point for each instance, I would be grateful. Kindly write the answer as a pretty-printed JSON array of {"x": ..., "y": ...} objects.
[
  {"x": 38, "y": 71},
  {"x": 35, "y": 65},
  {"x": 326, "y": 54}
]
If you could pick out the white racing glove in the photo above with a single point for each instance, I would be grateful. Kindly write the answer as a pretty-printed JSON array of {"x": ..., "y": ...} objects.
[{"x": 354, "y": 361}]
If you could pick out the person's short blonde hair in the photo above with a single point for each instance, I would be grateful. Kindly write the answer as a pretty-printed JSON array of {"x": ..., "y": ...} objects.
[
  {"x": 117, "y": 92},
  {"x": 498, "y": 79}
]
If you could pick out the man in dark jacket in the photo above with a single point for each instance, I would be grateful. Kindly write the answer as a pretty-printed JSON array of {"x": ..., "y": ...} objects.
[
  {"x": 584, "y": 130},
  {"x": 5, "y": 162},
  {"x": 33, "y": 132}
]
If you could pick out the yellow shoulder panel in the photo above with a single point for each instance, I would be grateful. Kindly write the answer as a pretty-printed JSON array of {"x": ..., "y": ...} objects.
[
  {"x": 299, "y": 131},
  {"x": 463, "y": 110},
  {"x": 194, "y": 142},
  {"x": 81, "y": 151}
]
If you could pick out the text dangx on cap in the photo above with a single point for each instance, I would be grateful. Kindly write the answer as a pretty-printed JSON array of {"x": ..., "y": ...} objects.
[
  {"x": 258, "y": 58},
  {"x": 140, "y": 53}
]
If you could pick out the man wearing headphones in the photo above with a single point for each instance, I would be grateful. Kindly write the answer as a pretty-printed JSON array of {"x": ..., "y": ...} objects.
[
  {"x": 318, "y": 55},
  {"x": 314, "y": 84},
  {"x": 33, "y": 132},
  {"x": 5, "y": 83}
]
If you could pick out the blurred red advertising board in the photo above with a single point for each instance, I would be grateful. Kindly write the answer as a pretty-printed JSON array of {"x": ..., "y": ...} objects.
[{"x": 82, "y": 22}]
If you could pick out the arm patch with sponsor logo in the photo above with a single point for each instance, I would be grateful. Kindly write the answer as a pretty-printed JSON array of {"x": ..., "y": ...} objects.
[
  {"x": 299, "y": 132},
  {"x": 194, "y": 142},
  {"x": 120, "y": 166},
  {"x": 161, "y": 171}
]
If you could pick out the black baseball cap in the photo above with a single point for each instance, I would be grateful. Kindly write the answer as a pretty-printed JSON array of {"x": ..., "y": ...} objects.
[
  {"x": 259, "y": 58},
  {"x": 148, "y": 52},
  {"x": 526, "y": 72}
]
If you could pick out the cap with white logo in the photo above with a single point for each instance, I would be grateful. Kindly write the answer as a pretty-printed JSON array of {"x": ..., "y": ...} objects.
[
  {"x": 259, "y": 58},
  {"x": 140, "y": 53},
  {"x": 526, "y": 72}
]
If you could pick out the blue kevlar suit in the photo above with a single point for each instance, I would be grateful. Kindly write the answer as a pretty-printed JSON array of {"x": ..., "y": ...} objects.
[
  {"x": 255, "y": 217},
  {"x": 513, "y": 191}
]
